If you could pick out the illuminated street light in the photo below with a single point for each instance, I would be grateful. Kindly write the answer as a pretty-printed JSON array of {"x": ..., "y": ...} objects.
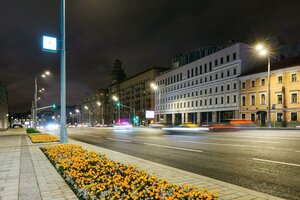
[
  {"x": 264, "y": 52},
  {"x": 155, "y": 88},
  {"x": 85, "y": 107}
]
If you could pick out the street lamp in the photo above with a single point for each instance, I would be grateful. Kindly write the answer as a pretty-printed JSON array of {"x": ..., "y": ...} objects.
[
  {"x": 35, "y": 99},
  {"x": 264, "y": 52},
  {"x": 89, "y": 113},
  {"x": 116, "y": 99},
  {"x": 156, "y": 89},
  {"x": 99, "y": 104}
]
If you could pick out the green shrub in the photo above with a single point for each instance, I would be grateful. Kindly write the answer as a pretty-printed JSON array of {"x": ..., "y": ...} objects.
[{"x": 31, "y": 130}]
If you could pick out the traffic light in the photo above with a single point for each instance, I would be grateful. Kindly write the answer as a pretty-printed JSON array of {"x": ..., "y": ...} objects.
[
  {"x": 118, "y": 104},
  {"x": 136, "y": 119},
  {"x": 54, "y": 106}
]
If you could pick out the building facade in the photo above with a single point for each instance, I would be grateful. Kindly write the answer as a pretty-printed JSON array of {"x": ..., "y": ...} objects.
[
  {"x": 285, "y": 91},
  {"x": 3, "y": 107},
  {"x": 136, "y": 95},
  {"x": 94, "y": 108},
  {"x": 204, "y": 91}
]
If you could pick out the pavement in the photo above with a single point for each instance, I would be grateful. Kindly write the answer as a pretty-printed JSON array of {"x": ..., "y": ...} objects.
[{"x": 26, "y": 174}]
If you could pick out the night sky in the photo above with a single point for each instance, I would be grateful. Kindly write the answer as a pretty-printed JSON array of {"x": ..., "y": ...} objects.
[{"x": 138, "y": 32}]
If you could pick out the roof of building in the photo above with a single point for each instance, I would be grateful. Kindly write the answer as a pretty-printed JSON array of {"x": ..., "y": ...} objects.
[
  {"x": 149, "y": 69},
  {"x": 290, "y": 62}
]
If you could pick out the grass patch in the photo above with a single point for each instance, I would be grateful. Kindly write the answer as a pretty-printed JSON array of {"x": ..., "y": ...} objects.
[{"x": 31, "y": 130}]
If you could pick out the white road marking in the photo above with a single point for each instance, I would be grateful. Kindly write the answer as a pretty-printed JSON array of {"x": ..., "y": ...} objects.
[
  {"x": 222, "y": 144},
  {"x": 261, "y": 141},
  {"x": 266, "y": 137},
  {"x": 237, "y": 145},
  {"x": 171, "y": 147},
  {"x": 151, "y": 137},
  {"x": 298, "y": 151},
  {"x": 276, "y": 162},
  {"x": 120, "y": 140}
]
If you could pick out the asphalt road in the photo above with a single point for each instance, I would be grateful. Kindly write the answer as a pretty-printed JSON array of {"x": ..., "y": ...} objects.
[{"x": 263, "y": 160}]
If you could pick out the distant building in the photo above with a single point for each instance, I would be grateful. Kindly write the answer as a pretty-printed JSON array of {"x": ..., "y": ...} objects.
[
  {"x": 3, "y": 107},
  {"x": 117, "y": 73},
  {"x": 285, "y": 94},
  {"x": 195, "y": 54},
  {"x": 204, "y": 91},
  {"x": 134, "y": 93},
  {"x": 94, "y": 108}
]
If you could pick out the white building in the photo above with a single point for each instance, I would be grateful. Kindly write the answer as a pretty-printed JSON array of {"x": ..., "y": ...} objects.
[{"x": 204, "y": 91}]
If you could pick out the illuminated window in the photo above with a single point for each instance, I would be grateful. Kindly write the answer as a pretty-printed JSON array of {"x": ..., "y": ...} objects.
[
  {"x": 294, "y": 116},
  {"x": 279, "y": 117},
  {"x": 263, "y": 99},
  {"x": 263, "y": 82},
  {"x": 294, "y": 98},
  {"x": 294, "y": 77},
  {"x": 279, "y": 99}
]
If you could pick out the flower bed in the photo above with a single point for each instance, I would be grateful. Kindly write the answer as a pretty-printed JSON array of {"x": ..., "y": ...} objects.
[
  {"x": 94, "y": 176},
  {"x": 39, "y": 138}
]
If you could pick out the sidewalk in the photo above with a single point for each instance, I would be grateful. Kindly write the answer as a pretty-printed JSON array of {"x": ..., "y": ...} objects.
[{"x": 25, "y": 173}]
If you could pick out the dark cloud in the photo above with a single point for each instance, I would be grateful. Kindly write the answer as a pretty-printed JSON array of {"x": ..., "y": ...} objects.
[{"x": 140, "y": 33}]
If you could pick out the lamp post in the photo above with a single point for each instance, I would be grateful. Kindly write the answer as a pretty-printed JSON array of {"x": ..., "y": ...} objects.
[
  {"x": 36, "y": 98},
  {"x": 156, "y": 89},
  {"x": 87, "y": 108},
  {"x": 102, "y": 119},
  {"x": 116, "y": 99},
  {"x": 263, "y": 51}
]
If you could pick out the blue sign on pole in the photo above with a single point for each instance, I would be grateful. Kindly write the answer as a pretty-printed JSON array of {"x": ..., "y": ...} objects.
[{"x": 50, "y": 44}]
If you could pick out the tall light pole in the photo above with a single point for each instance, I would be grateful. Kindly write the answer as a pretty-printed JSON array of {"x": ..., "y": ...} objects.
[
  {"x": 35, "y": 99},
  {"x": 63, "y": 129},
  {"x": 102, "y": 119},
  {"x": 87, "y": 109},
  {"x": 116, "y": 99},
  {"x": 263, "y": 51},
  {"x": 156, "y": 89},
  {"x": 78, "y": 113}
]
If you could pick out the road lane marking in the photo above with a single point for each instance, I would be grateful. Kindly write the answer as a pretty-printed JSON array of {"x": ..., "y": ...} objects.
[
  {"x": 276, "y": 162},
  {"x": 171, "y": 147},
  {"x": 151, "y": 137},
  {"x": 298, "y": 151},
  {"x": 261, "y": 141},
  {"x": 238, "y": 145},
  {"x": 120, "y": 140},
  {"x": 267, "y": 137},
  {"x": 234, "y": 145}
]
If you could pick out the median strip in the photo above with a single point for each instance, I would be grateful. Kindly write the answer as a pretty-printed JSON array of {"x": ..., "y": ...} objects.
[
  {"x": 171, "y": 147},
  {"x": 276, "y": 162}
]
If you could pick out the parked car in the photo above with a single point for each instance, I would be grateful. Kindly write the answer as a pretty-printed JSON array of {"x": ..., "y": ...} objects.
[{"x": 16, "y": 125}]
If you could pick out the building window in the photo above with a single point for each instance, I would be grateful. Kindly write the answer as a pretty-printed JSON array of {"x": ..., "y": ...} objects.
[
  {"x": 228, "y": 99},
  {"x": 252, "y": 83},
  {"x": 228, "y": 87},
  {"x": 234, "y": 98},
  {"x": 262, "y": 99},
  {"x": 222, "y": 100},
  {"x": 294, "y": 98},
  {"x": 228, "y": 73},
  {"x": 210, "y": 90},
  {"x": 243, "y": 116},
  {"x": 294, "y": 77},
  {"x": 222, "y": 75},
  {"x": 279, "y": 79},
  {"x": 222, "y": 88},
  {"x": 200, "y": 103},
  {"x": 205, "y": 68},
  {"x": 243, "y": 85},
  {"x": 221, "y": 60},
  {"x": 196, "y": 71},
  {"x": 216, "y": 76},
  {"x": 227, "y": 58},
  {"x": 243, "y": 101},
  {"x": 279, "y": 99},
  {"x": 234, "y": 71},
  {"x": 234, "y": 86},
  {"x": 262, "y": 82},
  {"x": 294, "y": 116},
  {"x": 216, "y": 89},
  {"x": 188, "y": 104},
  {"x": 216, "y": 101},
  {"x": 205, "y": 102},
  {"x": 216, "y": 62},
  {"x": 210, "y": 78},
  {"x": 279, "y": 117},
  {"x": 210, "y": 101},
  {"x": 210, "y": 66},
  {"x": 205, "y": 91},
  {"x": 252, "y": 100},
  {"x": 234, "y": 56},
  {"x": 253, "y": 117},
  {"x": 205, "y": 79},
  {"x": 200, "y": 69}
]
